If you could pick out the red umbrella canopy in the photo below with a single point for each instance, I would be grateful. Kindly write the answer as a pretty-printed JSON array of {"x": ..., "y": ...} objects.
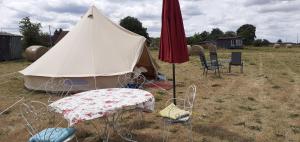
[{"x": 173, "y": 46}]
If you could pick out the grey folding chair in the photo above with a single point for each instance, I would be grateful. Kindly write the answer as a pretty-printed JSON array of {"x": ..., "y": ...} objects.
[
  {"x": 236, "y": 60},
  {"x": 215, "y": 62},
  {"x": 42, "y": 124},
  {"x": 206, "y": 65}
]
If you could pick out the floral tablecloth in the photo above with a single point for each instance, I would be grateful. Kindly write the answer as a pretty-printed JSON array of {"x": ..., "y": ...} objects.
[{"x": 101, "y": 103}]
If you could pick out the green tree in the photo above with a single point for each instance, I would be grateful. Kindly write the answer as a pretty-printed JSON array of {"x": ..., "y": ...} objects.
[
  {"x": 266, "y": 42},
  {"x": 204, "y": 36},
  {"x": 247, "y": 32},
  {"x": 197, "y": 37},
  {"x": 215, "y": 34},
  {"x": 279, "y": 41},
  {"x": 30, "y": 32},
  {"x": 261, "y": 42},
  {"x": 134, "y": 25},
  {"x": 257, "y": 43},
  {"x": 45, "y": 39},
  {"x": 155, "y": 42},
  {"x": 190, "y": 40},
  {"x": 230, "y": 34}
]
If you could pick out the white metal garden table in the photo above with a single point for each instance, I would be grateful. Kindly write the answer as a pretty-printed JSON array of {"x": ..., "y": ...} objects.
[{"x": 103, "y": 103}]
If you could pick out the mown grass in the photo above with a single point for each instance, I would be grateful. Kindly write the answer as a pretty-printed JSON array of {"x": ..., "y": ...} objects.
[{"x": 260, "y": 105}]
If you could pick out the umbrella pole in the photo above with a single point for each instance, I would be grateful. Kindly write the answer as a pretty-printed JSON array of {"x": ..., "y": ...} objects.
[{"x": 174, "y": 85}]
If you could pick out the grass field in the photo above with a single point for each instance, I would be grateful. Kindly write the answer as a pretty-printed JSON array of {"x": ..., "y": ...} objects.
[{"x": 260, "y": 105}]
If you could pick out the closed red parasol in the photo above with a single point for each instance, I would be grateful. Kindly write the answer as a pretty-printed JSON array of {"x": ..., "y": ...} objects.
[{"x": 173, "y": 46}]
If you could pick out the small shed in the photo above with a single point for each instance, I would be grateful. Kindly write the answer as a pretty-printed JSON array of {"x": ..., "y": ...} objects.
[
  {"x": 230, "y": 42},
  {"x": 10, "y": 46}
]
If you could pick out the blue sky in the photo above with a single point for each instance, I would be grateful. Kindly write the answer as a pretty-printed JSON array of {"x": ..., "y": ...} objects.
[{"x": 274, "y": 19}]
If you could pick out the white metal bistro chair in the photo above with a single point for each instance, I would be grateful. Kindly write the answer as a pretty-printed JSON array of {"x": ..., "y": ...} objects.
[
  {"x": 131, "y": 80},
  {"x": 181, "y": 113},
  {"x": 60, "y": 89},
  {"x": 41, "y": 124}
]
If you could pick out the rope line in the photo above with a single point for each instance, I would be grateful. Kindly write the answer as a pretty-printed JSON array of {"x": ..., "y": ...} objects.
[
  {"x": 11, "y": 106},
  {"x": 8, "y": 74}
]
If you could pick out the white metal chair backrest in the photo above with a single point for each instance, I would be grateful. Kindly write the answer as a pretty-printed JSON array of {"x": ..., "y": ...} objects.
[
  {"x": 123, "y": 80},
  {"x": 131, "y": 78},
  {"x": 140, "y": 80},
  {"x": 36, "y": 116},
  {"x": 61, "y": 88},
  {"x": 67, "y": 86},
  {"x": 190, "y": 98}
]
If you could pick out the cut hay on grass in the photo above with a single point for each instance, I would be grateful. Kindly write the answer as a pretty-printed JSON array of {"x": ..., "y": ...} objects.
[
  {"x": 212, "y": 48},
  {"x": 33, "y": 53},
  {"x": 276, "y": 46},
  {"x": 288, "y": 45},
  {"x": 195, "y": 50}
]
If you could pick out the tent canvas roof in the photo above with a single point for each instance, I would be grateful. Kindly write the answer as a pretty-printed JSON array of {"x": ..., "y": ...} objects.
[{"x": 94, "y": 47}]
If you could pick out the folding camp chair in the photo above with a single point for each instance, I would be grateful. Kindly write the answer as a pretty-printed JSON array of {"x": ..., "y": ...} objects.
[
  {"x": 236, "y": 60},
  {"x": 215, "y": 62},
  {"x": 206, "y": 65}
]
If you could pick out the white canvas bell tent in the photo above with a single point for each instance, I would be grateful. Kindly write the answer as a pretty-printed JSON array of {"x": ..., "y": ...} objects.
[{"x": 92, "y": 55}]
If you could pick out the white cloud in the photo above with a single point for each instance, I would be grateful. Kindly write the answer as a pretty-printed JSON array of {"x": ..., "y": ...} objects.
[{"x": 274, "y": 19}]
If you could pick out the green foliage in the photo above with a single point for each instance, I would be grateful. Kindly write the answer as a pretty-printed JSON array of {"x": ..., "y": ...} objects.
[
  {"x": 196, "y": 38},
  {"x": 44, "y": 39},
  {"x": 155, "y": 42},
  {"x": 247, "y": 32},
  {"x": 257, "y": 43},
  {"x": 216, "y": 33},
  {"x": 279, "y": 41},
  {"x": 229, "y": 34},
  {"x": 261, "y": 42},
  {"x": 134, "y": 25},
  {"x": 204, "y": 36},
  {"x": 266, "y": 42},
  {"x": 30, "y": 32}
]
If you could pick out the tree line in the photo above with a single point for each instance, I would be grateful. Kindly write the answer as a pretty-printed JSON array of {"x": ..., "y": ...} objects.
[
  {"x": 247, "y": 32},
  {"x": 33, "y": 35}
]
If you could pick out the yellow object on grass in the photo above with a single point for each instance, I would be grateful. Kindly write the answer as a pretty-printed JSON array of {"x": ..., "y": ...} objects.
[{"x": 173, "y": 112}]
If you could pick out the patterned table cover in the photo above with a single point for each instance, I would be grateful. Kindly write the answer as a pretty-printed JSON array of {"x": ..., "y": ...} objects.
[{"x": 101, "y": 103}]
